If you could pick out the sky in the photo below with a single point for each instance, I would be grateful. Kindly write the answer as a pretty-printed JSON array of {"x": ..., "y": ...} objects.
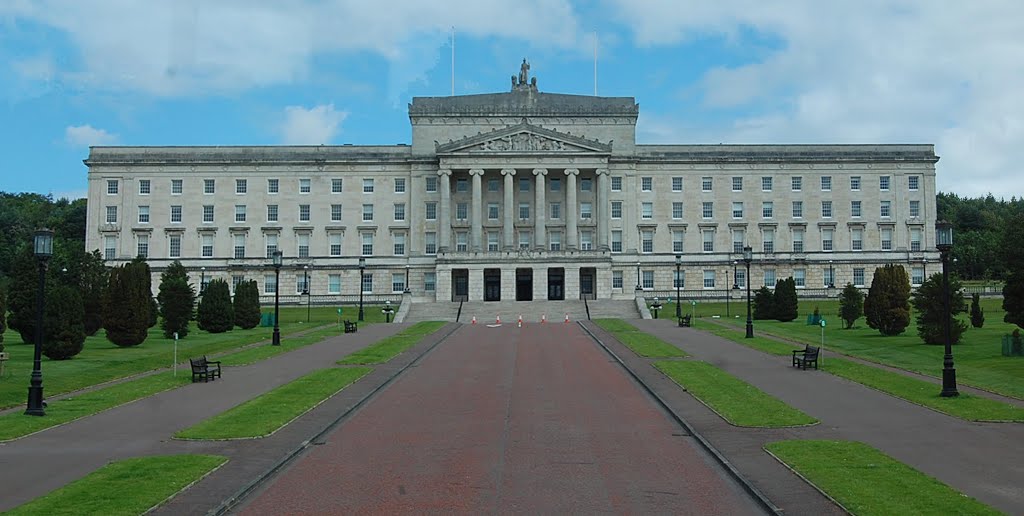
[{"x": 75, "y": 73}]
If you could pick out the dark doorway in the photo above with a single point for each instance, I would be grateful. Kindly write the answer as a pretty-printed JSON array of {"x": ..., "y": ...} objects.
[
  {"x": 492, "y": 284},
  {"x": 556, "y": 284},
  {"x": 524, "y": 284},
  {"x": 588, "y": 277},
  {"x": 460, "y": 284}
]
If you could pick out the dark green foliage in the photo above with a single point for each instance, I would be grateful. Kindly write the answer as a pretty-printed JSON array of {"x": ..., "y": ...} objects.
[
  {"x": 930, "y": 308},
  {"x": 21, "y": 214},
  {"x": 21, "y": 294},
  {"x": 3, "y": 318},
  {"x": 851, "y": 305},
  {"x": 177, "y": 301},
  {"x": 127, "y": 304},
  {"x": 764, "y": 304},
  {"x": 216, "y": 314},
  {"x": 887, "y": 306},
  {"x": 154, "y": 312},
  {"x": 247, "y": 305},
  {"x": 786, "y": 302},
  {"x": 983, "y": 227},
  {"x": 64, "y": 334},
  {"x": 977, "y": 315},
  {"x": 93, "y": 280},
  {"x": 1013, "y": 299}
]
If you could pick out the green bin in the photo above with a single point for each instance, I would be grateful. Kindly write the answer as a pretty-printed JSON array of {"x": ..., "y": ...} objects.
[{"x": 267, "y": 319}]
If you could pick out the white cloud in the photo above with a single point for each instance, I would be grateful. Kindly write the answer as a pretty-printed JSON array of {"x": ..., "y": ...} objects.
[
  {"x": 87, "y": 136},
  {"x": 314, "y": 126}
]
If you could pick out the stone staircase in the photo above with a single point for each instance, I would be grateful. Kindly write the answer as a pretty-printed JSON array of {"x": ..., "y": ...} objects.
[{"x": 531, "y": 311}]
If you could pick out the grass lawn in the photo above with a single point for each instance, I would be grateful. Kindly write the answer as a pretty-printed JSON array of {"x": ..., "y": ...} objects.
[
  {"x": 255, "y": 354},
  {"x": 738, "y": 402},
  {"x": 16, "y": 424},
  {"x": 265, "y": 414},
  {"x": 641, "y": 343},
  {"x": 868, "y": 482},
  {"x": 129, "y": 487},
  {"x": 392, "y": 346}
]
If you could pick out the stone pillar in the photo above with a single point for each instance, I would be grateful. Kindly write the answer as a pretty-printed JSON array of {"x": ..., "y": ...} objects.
[
  {"x": 444, "y": 219},
  {"x": 476, "y": 225},
  {"x": 571, "y": 209},
  {"x": 603, "y": 209},
  {"x": 540, "y": 237},
  {"x": 508, "y": 229}
]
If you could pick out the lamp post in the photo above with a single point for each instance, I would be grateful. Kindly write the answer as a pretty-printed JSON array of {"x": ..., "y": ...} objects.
[
  {"x": 679, "y": 303},
  {"x": 362, "y": 267},
  {"x": 728, "y": 294},
  {"x": 944, "y": 243},
  {"x": 638, "y": 287},
  {"x": 748, "y": 256},
  {"x": 735, "y": 277},
  {"x": 656, "y": 306},
  {"x": 277, "y": 259},
  {"x": 305, "y": 289},
  {"x": 924, "y": 269},
  {"x": 831, "y": 275},
  {"x": 407, "y": 289},
  {"x": 43, "y": 249},
  {"x": 387, "y": 311},
  {"x": 202, "y": 280}
]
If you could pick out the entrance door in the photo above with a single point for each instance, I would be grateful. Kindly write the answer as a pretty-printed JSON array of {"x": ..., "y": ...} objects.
[
  {"x": 492, "y": 284},
  {"x": 587, "y": 279},
  {"x": 460, "y": 284},
  {"x": 556, "y": 284},
  {"x": 524, "y": 284}
]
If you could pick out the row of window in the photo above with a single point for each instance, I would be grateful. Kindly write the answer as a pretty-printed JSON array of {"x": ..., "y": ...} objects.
[
  {"x": 710, "y": 278},
  {"x": 303, "y": 283},
  {"x": 305, "y": 186}
]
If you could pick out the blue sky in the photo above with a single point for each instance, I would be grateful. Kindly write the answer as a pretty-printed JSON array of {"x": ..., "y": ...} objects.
[{"x": 255, "y": 72}]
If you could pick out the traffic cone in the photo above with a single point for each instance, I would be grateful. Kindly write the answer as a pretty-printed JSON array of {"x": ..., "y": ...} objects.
[
  {"x": 543, "y": 318},
  {"x": 474, "y": 320},
  {"x": 520, "y": 320},
  {"x": 566, "y": 317},
  {"x": 497, "y": 319}
]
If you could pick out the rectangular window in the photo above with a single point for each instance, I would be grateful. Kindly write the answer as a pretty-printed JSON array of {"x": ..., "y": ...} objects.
[
  {"x": 586, "y": 210},
  {"x": 304, "y": 213},
  {"x": 111, "y": 215},
  {"x": 855, "y": 183},
  {"x": 462, "y": 185},
  {"x": 303, "y": 245},
  {"x": 737, "y": 184},
  {"x": 176, "y": 214},
  {"x": 796, "y": 183},
  {"x": 913, "y": 183},
  {"x": 769, "y": 278},
  {"x": 431, "y": 184},
  {"x": 855, "y": 208},
  {"x": 741, "y": 278},
  {"x": 887, "y": 239},
  {"x": 399, "y": 185},
  {"x": 646, "y": 184},
  {"x": 916, "y": 275},
  {"x": 143, "y": 214},
  {"x": 492, "y": 211},
  {"x": 367, "y": 283},
  {"x": 399, "y": 244},
  {"x": 334, "y": 283},
  {"x": 397, "y": 282},
  {"x": 207, "y": 245},
  {"x": 174, "y": 249},
  {"x": 915, "y": 239},
  {"x": 177, "y": 186},
  {"x": 826, "y": 183},
  {"x": 335, "y": 213},
  {"x": 616, "y": 183},
  {"x": 112, "y": 186},
  {"x": 524, "y": 184},
  {"x": 798, "y": 209},
  {"x": 430, "y": 281},
  {"x": 647, "y": 241},
  {"x": 142, "y": 246},
  {"x": 431, "y": 211},
  {"x": 616, "y": 279},
  {"x": 239, "y": 213},
  {"x": 430, "y": 242},
  {"x": 708, "y": 240},
  {"x": 798, "y": 240},
  {"x": 109, "y": 247},
  {"x": 767, "y": 209},
  {"x": 586, "y": 241},
  {"x": 737, "y": 210},
  {"x": 705, "y": 184},
  {"x": 524, "y": 239},
  {"x": 493, "y": 185},
  {"x": 461, "y": 211},
  {"x": 585, "y": 184},
  {"x": 709, "y": 279},
  {"x": 239, "y": 246},
  {"x": 677, "y": 184},
  {"x": 367, "y": 213},
  {"x": 334, "y": 242},
  {"x": 646, "y": 210},
  {"x": 858, "y": 277},
  {"x": 555, "y": 184},
  {"x": 241, "y": 186},
  {"x": 616, "y": 209},
  {"x": 524, "y": 211},
  {"x": 271, "y": 244},
  {"x": 915, "y": 209},
  {"x": 461, "y": 241},
  {"x": 885, "y": 209},
  {"x": 707, "y": 209},
  {"x": 367, "y": 244},
  {"x": 766, "y": 184},
  {"x": 648, "y": 279},
  {"x": 616, "y": 241},
  {"x": 209, "y": 187},
  {"x": 273, "y": 186},
  {"x": 827, "y": 235},
  {"x": 301, "y": 283},
  {"x": 738, "y": 239},
  {"x": 305, "y": 186},
  {"x": 207, "y": 213},
  {"x": 883, "y": 183},
  {"x": 828, "y": 277},
  {"x": 826, "y": 209},
  {"x": 800, "y": 277},
  {"x": 492, "y": 241},
  {"x": 857, "y": 239},
  {"x": 555, "y": 210},
  {"x": 269, "y": 284},
  {"x": 144, "y": 186},
  {"x": 677, "y": 210},
  {"x": 679, "y": 279},
  {"x": 337, "y": 185},
  {"x": 271, "y": 213},
  {"x": 399, "y": 212},
  {"x": 768, "y": 240},
  {"x": 556, "y": 240}
]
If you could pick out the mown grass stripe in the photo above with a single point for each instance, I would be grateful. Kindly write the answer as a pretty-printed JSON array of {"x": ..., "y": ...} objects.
[
  {"x": 258, "y": 353},
  {"x": 392, "y": 346},
  {"x": 643, "y": 344}
]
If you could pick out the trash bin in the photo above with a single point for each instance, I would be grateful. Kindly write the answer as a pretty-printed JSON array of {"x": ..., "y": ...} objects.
[{"x": 267, "y": 319}]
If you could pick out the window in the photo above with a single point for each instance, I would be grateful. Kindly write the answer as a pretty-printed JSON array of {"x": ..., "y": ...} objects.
[
  {"x": 176, "y": 186},
  {"x": 399, "y": 244},
  {"x": 647, "y": 241},
  {"x": 492, "y": 211},
  {"x": 206, "y": 242},
  {"x": 915, "y": 209},
  {"x": 737, "y": 184},
  {"x": 269, "y": 284},
  {"x": 555, "y": 184},
  {"x": 305, "y": 186},
  {"x": 335, "y": 213},
  {"x": 271, "y": 244},
  {"x": 586, "y": 210},
  {"x": 741, "y": 278},
  {"x": 239, "y": 246},
  {"x": 798, "y": 240},
  {"x": 857, "y": 239},
  {"x": 916, "y": 275},
  {"x": 826, "y": 209},
  {"x": 679, "y": 279},
  {"x": 738, "y": 239},
  {"x": 235, "y": 281},
  {"x": 737, "y": 210},
  {"x": 367, "y": 244},
  {"x": 524, "y": 211},
  {"x": 705, "y": 184},
  {"x": 109, "y": 247},
  {"x": 915, "y": 239},
  {"x": 524, "y": 239},
  {"x": 142, "y": 246},
  {"x": 648, "y": 279},
  {"x": 617, "y": 241},
  {"x": 677, "y": 184},
  {"x": 616, "y": 209},
  {"x": 367, "y": 283},
  {"x": 271, "y": 213},
  {"x": 768, "y": 240},
  {"x": 616, "y": 279},
  {"x": 767, "y": 209},
  {"x": 855, "y": 183},
  {"x": 883, "y": 183},
  {"x": 304, "y": 213},
  {"x": 144, "y": 186},
  {"x": 337, "y": 185},
  {"x": 826, "y": 183},
  {"x": 555, "y": 212},
  {"x": 646, "y": 210},
  {"x": 524, "y": 184},
  {"x": 616, "y": 183},
  {"x": 586, "y": 240},
  {"x": 207, "y": 213},
  {"x": 887, "y": 239},
  {"x": 707, "y": 209},
  {"x": 431, "y": 211},
  {"x": 273, "y": 186},
  {"x": 585, "y": 184},
  {"x": 709, "y": 279},
  {"x": 429, "y": 281},
  {"x": 798, "y": 209},
  {"x": 430, "y": 242},
  {"x": 399, "y": 185},
  {"x": 367, "y": 213},
  {"x": 209, "y": 187},
  {"x": 855, "y": 208},
  {"x": 143, "y": 214},
  {"x": 885, "y": 209},
  {"x": 677, "y": 210},
  {"x": 303, "y": 245},
  {"x": 334, "y": 243},
  {"x": 800, "y": 277},
  {"x": 461, "y": 185},
  {"x": 646, "y": 184},
  {"x": 827, "y": 235},
  {"x": 239, "y": 213},
  {"x": 397, "y": 282},
  {"x": 334, "y": 283},
  {"x": 492, "y": 241},
  {"x": 431, "y": 184},
  {"x": 858, "y": 277},
  {"x": 176, "y": 214},
  {"x": 174, "y": 247},
  {"x": 462, "y": 211},
  {"x": 399, "y": 212},
  {"x": 111, "y": 215},
  {"x": 766, "y": 184},
  {"x": 241, "y": 186},
  {"x": 828, "y": 276},
  {"x": 769, "y": 278},
  {"x": 913, "y": 183},
  {"x": 302, "y": 283},
  {"x": 556, "y": 240},
  {"x": 461, "y": 241},
  {"x": 493, "y": 185},
  {"x": 112, "y": 186},
  {"x": 796, "y": 183},
  {"x": 708, "y": 237}
]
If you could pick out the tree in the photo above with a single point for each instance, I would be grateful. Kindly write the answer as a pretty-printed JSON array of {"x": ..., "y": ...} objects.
[
  {"x": 1013, "y": 299},
  {"x": 786, "y": 303},
  {"x": 977, "y": 315},
  {"x": 3, "y": 318},
  {"x": 930, "y": 307},
  {"x": 21, "y": 294},
  {"x": 887, "y": 306},
  {"x": 247, "y": 305},
  {"x": 63, "y": 322},
  {"x": 764, "y": 304},
  {"x": 851, "y": 305},
  {"x": 126, "y": 304},
  {"x": 216, "y": 314},
  {"x": 177, "y": 301}
]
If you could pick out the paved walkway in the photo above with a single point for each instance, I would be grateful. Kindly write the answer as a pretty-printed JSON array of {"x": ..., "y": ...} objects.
[{"x": 983, "y": 460}]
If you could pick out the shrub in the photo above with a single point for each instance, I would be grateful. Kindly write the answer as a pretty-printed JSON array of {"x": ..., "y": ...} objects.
[
  {"x": 21, "y": 294},
  {"x": 215, "y": 311},
  {"x": 887, "y": 306},
  {"x": 851, "y": 305},
  {"x": 977, "y": 315},
  {"x": 930, "y": 305},
  {"x": 127, "y": 304},
  {"x": 3, "y": 318},
  {"x": 63, "y": 323},
  {"x": 786, "y": 302},
  {"x": 1013, "y": 299},
  {"x": 177, "y": 301},
  {"x": 764, "y": 304},
  {"x": 247, "y": 305}
]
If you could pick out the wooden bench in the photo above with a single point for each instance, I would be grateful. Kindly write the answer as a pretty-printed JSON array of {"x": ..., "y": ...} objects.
[
  {"x": 802, "y": 358},
  {"x": 203, "y": 369},
  {"x": 350, "y": 327},
  {"x": 684, "y": 321}
]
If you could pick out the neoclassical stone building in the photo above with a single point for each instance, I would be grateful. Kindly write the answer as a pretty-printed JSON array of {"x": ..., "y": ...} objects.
[{"x": 520, "y": 195}]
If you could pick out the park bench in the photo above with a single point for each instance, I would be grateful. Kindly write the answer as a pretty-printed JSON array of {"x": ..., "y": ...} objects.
[
  {"x": 350, "y": 327},
  {"x": 802, "y": 358},
  {"x": 684, "y": 321},
  {"x": 203, "y": 369}
]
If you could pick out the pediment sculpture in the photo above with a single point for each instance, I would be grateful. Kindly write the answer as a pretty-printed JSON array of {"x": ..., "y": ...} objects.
[{"x": 525, "y": 142}]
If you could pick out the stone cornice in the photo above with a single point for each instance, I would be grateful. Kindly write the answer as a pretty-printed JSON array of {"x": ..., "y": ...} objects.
[{"x": 784, "y": 153}]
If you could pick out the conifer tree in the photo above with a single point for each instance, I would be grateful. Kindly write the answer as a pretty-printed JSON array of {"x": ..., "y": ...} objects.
[
  {"x": 216, "y": 314},
  {"x": 126, "y": 304},
  {"x": 764, "y": 304},
  {"x": 786, "y": 304},
  {"x": 887, "y": 307},
  {"x": 3, "y": 318},
  {"x": 21, "y": 295},
  {"x": 930, "y": 309},
  {"x": 63, "y": 322},
  {"x": 1013, "y": 299},
  {"x": 247, "y": 305},
  {"x": 851, "y": 305},
  {"x": 977, "y": 315},
  {"x": 177, "y": 301}
]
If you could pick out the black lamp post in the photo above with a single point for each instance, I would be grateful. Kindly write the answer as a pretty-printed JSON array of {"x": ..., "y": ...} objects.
[
  {"x": 638, "y": 287},
  {"x": 727, "y": 294},
  {"x": 924, "y": 269},
  {"x": 305, "y": 289},
  {"x": 362, "y": 267},
  {"x": 387, "y": 311},
  {"x": 407, "y": 289},
  {"x": 735, "y": 277},
  {"x": 202, "y": 280},
  {"x": 277, "y": 259},
  {"x": 679, "y": 303},
  {"x": 748, "y": 256},
  {"x": 831, "y": 275},
  {"x": 944, "y": 243},
  {"x": 656, "y": 306},
  {"x": 43, "y": 249}
]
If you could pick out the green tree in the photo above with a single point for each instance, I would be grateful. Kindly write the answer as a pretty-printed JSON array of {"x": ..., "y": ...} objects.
[
  {"x": 126, "y": 304},
  {"x": 977, "y": 315},
  {"x": 177, "y": 301},
  {"x": 247, "y": 305},
  {"x": 764, "y": 304},
  {"x": 21, "y": 294},
  {"x": 786, "y": 302},
  {"x": 851, "y": 305},
  {"x": 216, "y": 314},
  {"x": 63, "y": 322},
  {"x": 3, "y": 317},
  {"x": 1013, "y": 299},
  {"x": 930, "y": 307},
  {"x": 887, "y": 306}
]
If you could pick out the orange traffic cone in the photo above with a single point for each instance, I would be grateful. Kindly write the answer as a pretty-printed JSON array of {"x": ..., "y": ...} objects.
[
  {"x": 520, "y": 320},
  {"x": 497, "y": 319},
  {"x": 566, "y": 317},
  {"x": 474, "y": 320}
]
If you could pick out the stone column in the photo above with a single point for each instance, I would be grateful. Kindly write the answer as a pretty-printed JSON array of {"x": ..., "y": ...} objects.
[
  {"x": 571, "y": 209},
  {"x": 476, "y": 225},
  {"x": 508, "y": 231},
  {"x": 539, "y": 219},
  {"x": 603, "y": 209},
  {"x": 444, "y": 219}
]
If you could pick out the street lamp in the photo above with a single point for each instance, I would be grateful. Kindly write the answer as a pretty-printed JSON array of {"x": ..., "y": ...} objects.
[
  {"x": 831, "y": 275},
  {"x": 735, "y": 277},
  {"x": 305, "y": 289},
  {"x": 727, "y": 294},
  {"x": 362, "y": 267},
  {"x": 944, "y": 243},
  {"x": 748, "y": 256},
  {"x": 638, "y": 287},
  {"x": 43, "y": 249},
  {"x": 202, "y": 280},
  {"x": 277, "y": 259},
  {"x": 387, "y": 311},
  {"x": 679, "y": 304},
  {"x": 924, "y": 269},
  {"x": 656, "y": 306},
  {"x": 407, "y": 289}
]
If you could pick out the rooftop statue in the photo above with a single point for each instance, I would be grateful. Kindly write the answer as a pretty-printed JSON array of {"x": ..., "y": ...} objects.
[{"x": 524, "y": 82}]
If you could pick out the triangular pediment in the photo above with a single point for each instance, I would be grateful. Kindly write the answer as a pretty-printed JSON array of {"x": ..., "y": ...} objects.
[{"x": 524, "y": 138}]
